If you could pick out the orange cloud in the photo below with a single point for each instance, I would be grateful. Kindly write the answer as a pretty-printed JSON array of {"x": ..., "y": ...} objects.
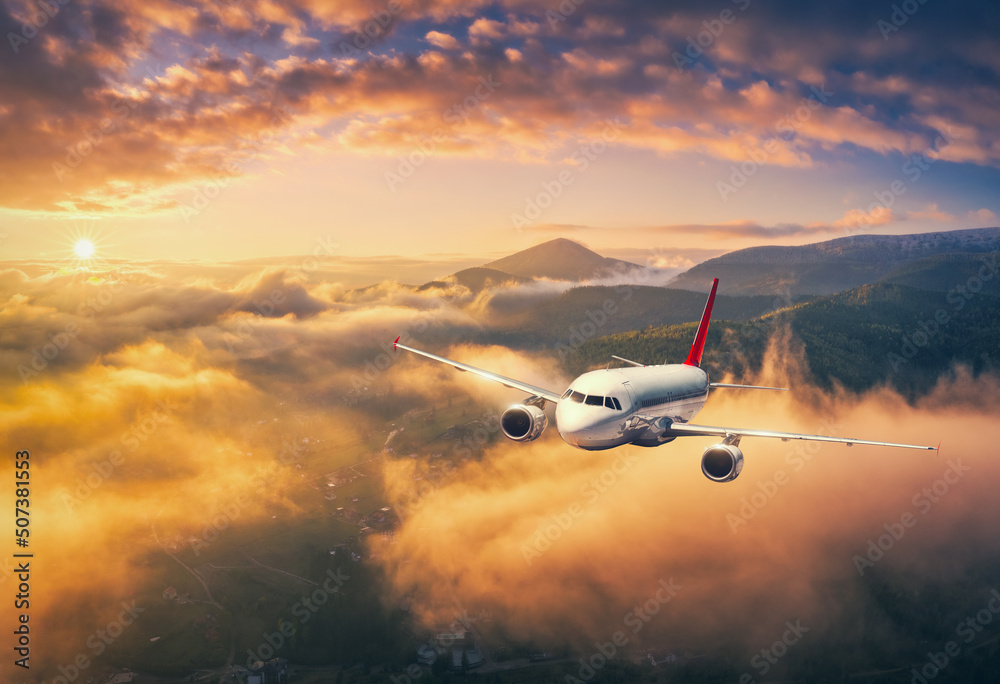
[
  {"x": 442, "y": 40},
  {"x": 140, "y": 140},
  {"x": 878, "y": 216},
  {"x": 562, "y": 556},
  {"x": 932, "y": 213}
]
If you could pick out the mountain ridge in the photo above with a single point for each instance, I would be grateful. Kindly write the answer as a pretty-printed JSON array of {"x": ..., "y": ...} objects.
[{"x": 824, "y": 268}]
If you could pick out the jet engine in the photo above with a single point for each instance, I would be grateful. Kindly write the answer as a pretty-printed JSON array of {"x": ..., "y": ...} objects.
[
  {"x": 722, "y": 462},
  {"x": 523, "y": 423}
]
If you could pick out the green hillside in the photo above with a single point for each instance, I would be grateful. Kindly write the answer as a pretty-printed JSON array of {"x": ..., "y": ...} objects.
[
  {"x": 860, "y": 338},
  {"x": 593, "y": 311},
  {"x": 948, "y": 272}
]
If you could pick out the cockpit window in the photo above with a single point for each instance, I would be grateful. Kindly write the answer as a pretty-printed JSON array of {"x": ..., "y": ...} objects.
[{"x": 592, "y": 400}]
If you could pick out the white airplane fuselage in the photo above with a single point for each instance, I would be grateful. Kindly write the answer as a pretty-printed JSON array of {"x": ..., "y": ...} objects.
[{"x": 675, "y": 392}]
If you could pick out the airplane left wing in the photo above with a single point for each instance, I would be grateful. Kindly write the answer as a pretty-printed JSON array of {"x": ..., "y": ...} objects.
[
  {"x": 680, "y": 429},
  {"x": 548, "y": 395}
]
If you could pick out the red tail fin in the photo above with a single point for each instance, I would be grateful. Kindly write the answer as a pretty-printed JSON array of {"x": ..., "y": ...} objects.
[{"x": 694, "y": 356}]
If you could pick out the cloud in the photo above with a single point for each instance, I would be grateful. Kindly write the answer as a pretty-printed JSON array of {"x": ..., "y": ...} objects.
[
  {"x": 157, "y": 402},
  {"x": 878, "y": 216},
  {"x": 567, "y": 228},
  {"x": 277, "y": 294},
  {"x": 130, "y": 455},
  {"x": 729, "y": 229},
  {"x": 88, "y": 136},
  {"x": 561, "y": 557},
  {"x": 297, "y": 39},
  {"x": 932, "y": 213},
  {"x": 982, "y": 215},
  {"x": 744, "y": 229},
  {"x": 442, "y": 40},
  {"x": 594, "y": 26},
  {"x": 483, "y": 29},
  {"x": 161, "y": 395}
]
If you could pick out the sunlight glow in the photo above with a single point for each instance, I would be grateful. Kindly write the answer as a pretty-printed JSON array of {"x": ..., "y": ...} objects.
[{"x": 84, "y": 248}]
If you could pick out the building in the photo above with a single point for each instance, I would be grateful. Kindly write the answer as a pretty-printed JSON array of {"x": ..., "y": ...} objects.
[
  {"x": 466, "y": 658},
  {"x": 660, "y": 658},
  {"x": 121, "y": 678},
  {"x": 274, "y": 671}
]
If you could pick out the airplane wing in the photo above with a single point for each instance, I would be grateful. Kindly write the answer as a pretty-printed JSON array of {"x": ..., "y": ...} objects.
[
  {"x": 724, "y": 384},
  {"x": 548, "y": 395},
  {"x": 680, "y": 429}
]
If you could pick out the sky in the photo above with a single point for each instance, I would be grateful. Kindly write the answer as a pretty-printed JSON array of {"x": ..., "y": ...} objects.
[{"x": 215, "y": 131}]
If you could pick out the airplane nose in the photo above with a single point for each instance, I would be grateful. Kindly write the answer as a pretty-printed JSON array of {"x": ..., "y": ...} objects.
[{"x": 571, "y": 420}]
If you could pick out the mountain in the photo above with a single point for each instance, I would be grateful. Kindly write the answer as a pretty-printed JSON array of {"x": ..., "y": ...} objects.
[
  {"x": 477, "y": 279},
  {"x": 583, "y": 312},
  {"x": 828, "y": 267},
  {"x": 947, "y": 272},
  {"x": 860, "y": 338},
  {"x": 560, "y": 259}
]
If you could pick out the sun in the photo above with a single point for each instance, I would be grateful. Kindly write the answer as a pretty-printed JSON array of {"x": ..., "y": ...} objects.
[{"x": 84, "y": 248}]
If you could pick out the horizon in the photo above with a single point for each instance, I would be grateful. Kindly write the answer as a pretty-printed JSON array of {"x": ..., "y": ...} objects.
[
  {"x": 433, "y": 257},
  {"x": 409, "y": 270}
]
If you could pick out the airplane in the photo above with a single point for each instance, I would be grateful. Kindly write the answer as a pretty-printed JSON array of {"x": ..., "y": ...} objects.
[{"x": 642, "y": 405}]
